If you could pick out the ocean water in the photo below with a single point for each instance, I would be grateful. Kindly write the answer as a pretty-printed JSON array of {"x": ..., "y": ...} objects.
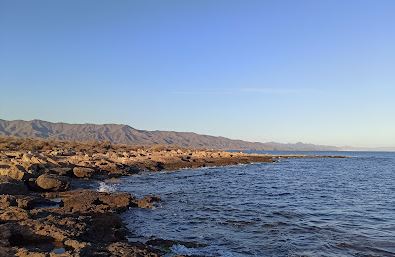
[{"x": 295, "y": 207}]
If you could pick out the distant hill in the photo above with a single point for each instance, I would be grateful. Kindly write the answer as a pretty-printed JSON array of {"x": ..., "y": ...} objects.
[{"x": 124, "y": 134}]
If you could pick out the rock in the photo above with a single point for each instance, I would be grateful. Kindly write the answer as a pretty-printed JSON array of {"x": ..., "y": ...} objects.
[
  {"x": 17, "y": 172},
  {"x": 22, "y": 201},
  {"x": 30, "y": 158},
  {"x": 83, "y": 172},
  {"x": 7, "y": 201},
  {"x": 28, "y": 253},
  {"x": 148, "y": 201},
  {"x": 15, "y": 235},
  {"x": 6, "y": 252},
  {"x": 49, "y": 182},
  {"x": 86, "y": 201},
  {"x": 76, "y": 245},
  {"x": 9, "y": 186},
  {"x": 121, "y": 249},
  {"x": 66, "y": 171},
  {"x": 30, "y": 202},
  {"x": 14, "y": 214},
  {"x": 63, "y": 152},
  {"x": 104, "y": 228}
]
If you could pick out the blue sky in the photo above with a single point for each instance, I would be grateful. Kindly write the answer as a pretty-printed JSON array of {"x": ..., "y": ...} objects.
[{"x": 312, "y": 71}]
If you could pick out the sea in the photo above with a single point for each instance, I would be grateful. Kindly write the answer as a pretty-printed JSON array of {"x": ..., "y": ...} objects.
[{"x": 293, "y": 207}]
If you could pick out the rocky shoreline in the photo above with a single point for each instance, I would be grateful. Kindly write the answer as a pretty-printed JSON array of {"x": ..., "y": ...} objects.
[{"x": 42, "y": 213}]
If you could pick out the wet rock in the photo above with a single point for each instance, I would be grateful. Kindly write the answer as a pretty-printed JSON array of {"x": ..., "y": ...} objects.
[
  {"x": 148, "y": 201},
  {"x": 83, "y": 172},
  {"x": 49, "y": 182}
]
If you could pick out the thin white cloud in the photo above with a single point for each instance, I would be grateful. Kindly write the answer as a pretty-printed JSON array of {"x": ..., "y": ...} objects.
[
  {"x": 246, "y": 91},
  {"x": 269, "y": 90},
  {"x": 204, "y": 92}
]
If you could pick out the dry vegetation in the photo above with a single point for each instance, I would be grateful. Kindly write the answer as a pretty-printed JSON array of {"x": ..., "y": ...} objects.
[{"x": 89, "y": 147}]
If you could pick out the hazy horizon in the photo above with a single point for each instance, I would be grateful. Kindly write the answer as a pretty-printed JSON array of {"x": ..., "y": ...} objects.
[{"x": 317, "y": 72}]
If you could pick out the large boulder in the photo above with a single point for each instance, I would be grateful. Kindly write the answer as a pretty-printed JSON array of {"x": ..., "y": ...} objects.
[
  {"x": 17, "y": 172},
  {"x": 48, "y": 182},
  {"x": 9, "y": 186}
]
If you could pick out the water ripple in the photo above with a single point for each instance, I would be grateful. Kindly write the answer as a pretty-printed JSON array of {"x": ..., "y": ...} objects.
[{"x": 297, "y": 207}]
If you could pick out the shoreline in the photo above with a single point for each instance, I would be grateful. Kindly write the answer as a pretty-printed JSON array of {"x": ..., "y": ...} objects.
[{"x": 42, "y": 213}]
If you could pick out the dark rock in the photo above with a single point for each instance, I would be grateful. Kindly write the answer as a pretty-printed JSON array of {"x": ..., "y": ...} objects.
[
  {"x": 11, "y": 186},
  {"x": 15, "y": 235},
  {"x": 105, "y": 228}
]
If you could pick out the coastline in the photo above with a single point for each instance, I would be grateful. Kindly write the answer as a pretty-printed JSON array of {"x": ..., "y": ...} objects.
[{"x": 42, "y": 213}]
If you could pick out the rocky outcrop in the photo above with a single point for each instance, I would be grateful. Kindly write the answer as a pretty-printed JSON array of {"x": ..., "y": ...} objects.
[
  {"x": 44, "y": 213},
  {"x": 86, "y": 223}
]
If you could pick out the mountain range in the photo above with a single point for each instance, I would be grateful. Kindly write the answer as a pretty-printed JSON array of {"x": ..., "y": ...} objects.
[{"x": 124, "y": 134}]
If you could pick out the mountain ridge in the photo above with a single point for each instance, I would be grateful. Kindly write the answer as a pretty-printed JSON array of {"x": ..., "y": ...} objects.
[{"x": 126, "y": 134}]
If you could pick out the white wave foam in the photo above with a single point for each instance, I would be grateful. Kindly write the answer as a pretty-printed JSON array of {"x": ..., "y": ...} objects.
[
  {"x": 103, "y": 187},
  {"x": 205, "y": 251}
]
